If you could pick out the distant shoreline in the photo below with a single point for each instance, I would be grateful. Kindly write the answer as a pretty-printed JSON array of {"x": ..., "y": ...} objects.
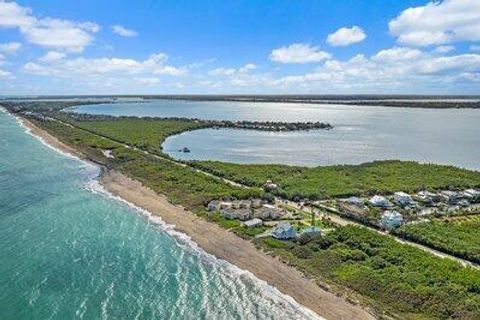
[
  {"x": 219, "y": 242},
  {"x": 400, "y": 101}
]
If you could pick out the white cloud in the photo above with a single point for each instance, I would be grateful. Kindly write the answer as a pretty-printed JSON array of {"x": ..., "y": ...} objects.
[
  {"x": 56, "y": 65},
  {"x": 47, "y": 32},
  {"x": 438, "y": 22},
  {"x": 231, "y": 71},
  {"x": 346, "y": 36},
  {"x": 52, "y": 56},
  {"x": 396, "y": 54},
  {"x": 298, "y": 53},
  {"x": 10, "y": 47},
  {"x": 390, "y": 71},
  {"x": 5, "y": 74},
  {"x": 124, "y": 32},
  {"x": 147, "y": 81},
  {"x": 444, "y": 49}
]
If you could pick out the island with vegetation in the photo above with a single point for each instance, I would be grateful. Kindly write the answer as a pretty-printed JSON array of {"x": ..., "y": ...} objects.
[{"x": 395, "y": 274}]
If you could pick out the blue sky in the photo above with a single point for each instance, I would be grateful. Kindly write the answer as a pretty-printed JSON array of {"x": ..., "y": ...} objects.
[{"x": 323, "y": 47}]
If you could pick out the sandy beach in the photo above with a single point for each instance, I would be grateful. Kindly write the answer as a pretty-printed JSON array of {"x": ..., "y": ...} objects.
[{"x": 222, "y": 243}]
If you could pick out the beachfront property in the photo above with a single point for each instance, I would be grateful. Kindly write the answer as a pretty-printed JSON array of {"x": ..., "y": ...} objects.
[
  {"x": 451, "y": 196},
  {"x": 379, "y": 202},
  {"x": 391, "y": 219},
  {"x": 354, "y": 201},
  {"x": 403, "y": 199},
  {"x": 427, "y": 197},
  {"x": 269, "y": 212},
  {"x": 253, "y": 223},
  {"x": 284, "y": 231},
  {"x": 472, "y": 194}
]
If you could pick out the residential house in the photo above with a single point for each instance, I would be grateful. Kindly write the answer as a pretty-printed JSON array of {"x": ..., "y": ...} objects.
[
  {"x": 284, "y": 231},
  {"x": 256, "y": 203},
  {"x": 243, "y": 214},
  {"x": 403, "y": 199},
  {"x": 229, "y": 213},
  {"x": 253, "y": 223},
  {"x": 380, "y": 202},
  {"x": 354, "y": 201},
  {"x": 213, "y": 205},
  {"x": 391, "y": 219},
  {"x": 450, "y": 196},
  {"x": 472, "y": 194},
  {"x": 245, "y": 204}
]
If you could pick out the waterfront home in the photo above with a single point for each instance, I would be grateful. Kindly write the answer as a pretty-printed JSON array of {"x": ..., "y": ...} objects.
[
  {"x": 403, "y": 199},
  {"x": 379, "y": 201},
  {"x": 225, "y": 205},
  {"x": 450, "y": 196},
  {"x": 472, "y": 194},
  {"x": 243, "y": 214},
  {"x": 284, "y": 231},
  {"x": 213, "y": 205},
  {"x": 391, "y": 219},
  {"x": 256, "y": 203},
  {"x": 253, "y": 223},
  {"x": 269, "y": 185},
  {"x": 229, "y": 213},
  {"x": 427, "y": 197},
  {"x": 236, "y": 204},
  {"x": 245, "y": 204},
  {"x": 354, "y": 201},
  {"x": 268, "y": 212}
]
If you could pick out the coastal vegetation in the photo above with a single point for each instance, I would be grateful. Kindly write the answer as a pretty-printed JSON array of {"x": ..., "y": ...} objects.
[
  {"x": 378, "y": 177},
  {"x": 458, "y": 236},
  {"x": 406, "y": 281},
  {"x": 183, "y": 185}
]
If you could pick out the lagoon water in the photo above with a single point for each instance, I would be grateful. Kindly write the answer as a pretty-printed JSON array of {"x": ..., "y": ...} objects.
[
  {"x": 68, "y": 250},
  {"x": 360, "y": 133}
]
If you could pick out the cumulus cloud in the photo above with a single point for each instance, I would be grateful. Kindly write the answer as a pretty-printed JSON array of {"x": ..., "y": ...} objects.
[
  {"x": 390, "y": 70},
  {"x": 396, "y": 54},
  {"x": 298, "y": 53},
  {"x": 346, "y": 36},
  {"x": 437, "y": 23},
  {"x": 47, "y": 32},
  {"x": 231, "y": 71},
  {"x": 10, "y": 47},
  {"x": 124, "y": 32},
  {"x": 56, "y": 65},
  {"x": 52, "y": 56}
]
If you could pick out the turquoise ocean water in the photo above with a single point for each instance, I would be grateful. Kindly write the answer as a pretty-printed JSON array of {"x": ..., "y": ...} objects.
[{"x": 70, "y": 251}]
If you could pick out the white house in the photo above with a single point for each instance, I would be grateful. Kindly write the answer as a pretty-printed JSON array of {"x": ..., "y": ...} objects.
[
  {"x": 402, "y": 199},
  {"x": 472, "y": 194},
  {"x": 253, "y": 223},
  {"x": 450, "y": 196},
  {"x": 213, "y": 205},
  {"x": 391, "y": 219},
  {"x": 379, "y": 201}
]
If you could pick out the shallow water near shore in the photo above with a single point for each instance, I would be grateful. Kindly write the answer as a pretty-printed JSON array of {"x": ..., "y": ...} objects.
[
  {"x": 360, "y": 133},
  {"x": 69, "y": 250}
]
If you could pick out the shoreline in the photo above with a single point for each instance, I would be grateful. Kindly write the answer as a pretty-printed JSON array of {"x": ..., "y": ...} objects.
[{"x": 219, "y": 242}]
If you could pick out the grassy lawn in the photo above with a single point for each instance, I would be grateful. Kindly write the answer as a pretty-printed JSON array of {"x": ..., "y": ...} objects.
[{"x": 339, "y": 181}]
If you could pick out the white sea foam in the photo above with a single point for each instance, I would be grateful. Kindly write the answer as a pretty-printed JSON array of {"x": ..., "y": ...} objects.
[{"x": 94, "y": 186}]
